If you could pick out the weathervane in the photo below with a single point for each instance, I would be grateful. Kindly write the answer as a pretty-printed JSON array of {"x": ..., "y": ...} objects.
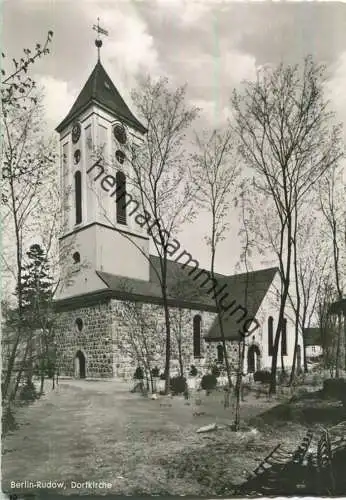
[{"x": 98, "y": 41}]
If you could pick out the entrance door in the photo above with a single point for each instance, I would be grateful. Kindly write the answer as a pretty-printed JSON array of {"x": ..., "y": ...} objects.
[
  {"x": 253, "y": 356},
  {"x": 80, "y": 365}
]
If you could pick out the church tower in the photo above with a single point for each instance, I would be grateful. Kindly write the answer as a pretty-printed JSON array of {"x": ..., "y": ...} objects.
[{"x": 99, "y": 232}]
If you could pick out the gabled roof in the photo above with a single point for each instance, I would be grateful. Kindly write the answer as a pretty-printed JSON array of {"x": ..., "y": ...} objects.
[
  {"x": 312, "y": 336},
  {"x": 247, "y": 291},
  {"x": 100, "y": 89},
  {"x": 187, "y": 287},
  {"x": 184, "y": 289}
]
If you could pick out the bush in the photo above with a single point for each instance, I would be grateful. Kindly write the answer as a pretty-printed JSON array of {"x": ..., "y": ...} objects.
[
  {"x": 262, "y": 376},
  {"x": 138, "y": 375},
  {"x": 193, "y": 371},
  {"x": 208, "y": 382},
  {"x": 163, "y": 376},
  {"x": 8, "y": 422},
  {"x": 178, "y": 385},
  {"x": 215, "y": 370},
  {"x": 28, "y": 393},
  {"x": 335, "y": 388},
  {"x": 155, "y": 372}
]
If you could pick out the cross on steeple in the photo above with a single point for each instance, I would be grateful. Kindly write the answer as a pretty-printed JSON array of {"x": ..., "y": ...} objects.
[{"x": 98, "y": 41}]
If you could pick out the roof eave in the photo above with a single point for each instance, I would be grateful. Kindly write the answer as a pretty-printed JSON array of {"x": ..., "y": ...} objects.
[{"x": 71, "y": 116}]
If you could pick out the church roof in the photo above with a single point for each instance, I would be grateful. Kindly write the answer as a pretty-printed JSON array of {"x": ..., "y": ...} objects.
[
  {"x": 185, "y": 290},
  {"x": 100, "y": 89},
  {"x": 246, "y": 291}
]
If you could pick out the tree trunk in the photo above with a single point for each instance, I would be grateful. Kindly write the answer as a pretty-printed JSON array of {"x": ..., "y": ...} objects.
[
  {"x": 304, "y": 355},
  {"x": 42, "y": 381},
  {"x": 180, "y": 357},
  {"x": 238, "y": 385},
  {"x": 338, "y": 348},
  {"x": 168, "y": 348}
]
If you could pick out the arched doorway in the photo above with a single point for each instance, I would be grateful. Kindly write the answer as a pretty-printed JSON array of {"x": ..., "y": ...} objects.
[
  {"x": 80, "y": 365},
  {"x": 253, "y": 359},
  {"x": 299, "y": 358}
]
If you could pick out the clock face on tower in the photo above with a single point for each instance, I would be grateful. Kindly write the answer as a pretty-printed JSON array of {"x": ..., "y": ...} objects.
[
  {"x": 76, "y": 130},
  {"x": 119, "y": 133}
]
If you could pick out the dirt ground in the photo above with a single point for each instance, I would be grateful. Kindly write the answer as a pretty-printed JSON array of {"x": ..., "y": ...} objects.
[{"x": 98, "y": 431}]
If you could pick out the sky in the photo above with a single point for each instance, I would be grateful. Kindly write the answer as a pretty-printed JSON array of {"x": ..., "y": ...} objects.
[{"x": 210, "y": 45}]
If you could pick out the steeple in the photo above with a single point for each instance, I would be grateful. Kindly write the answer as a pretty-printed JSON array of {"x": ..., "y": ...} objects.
[
  {"x": 100, "y": 89},
  {"x": 98, "y": 233}
]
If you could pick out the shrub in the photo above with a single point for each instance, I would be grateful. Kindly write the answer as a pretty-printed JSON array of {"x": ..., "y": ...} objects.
[
  {"x": 28, "y": 392},
  {"x": 208, "y": 382},
  {"x": 335, "y": 387},
  {"x": 193, "y": 371},
  {"x": 155, "y": 372},
  {"x": 263, "y": 376},
  {"x": 163, "y": 376},
  {"x": 8, "y": 422},
  {"x": 138, "y": 375},
  {"x": 178, "y": 385},
  {"x": 215, "y": 370}
]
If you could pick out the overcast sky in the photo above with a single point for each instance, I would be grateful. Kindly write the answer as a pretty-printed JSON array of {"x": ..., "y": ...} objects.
[{"x": 210, "y": 45}]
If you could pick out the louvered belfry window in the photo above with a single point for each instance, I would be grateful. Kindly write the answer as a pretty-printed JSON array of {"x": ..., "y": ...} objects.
[
  {"x": 121, "y": 197},
  {"x": 78, "y": 196}
]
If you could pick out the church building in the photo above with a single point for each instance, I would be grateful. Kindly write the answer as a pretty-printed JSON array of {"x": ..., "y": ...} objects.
[{"x": 106, "y": 264}]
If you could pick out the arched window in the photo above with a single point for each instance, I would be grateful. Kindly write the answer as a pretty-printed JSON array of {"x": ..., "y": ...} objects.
[
  {"x": 79, "y": 324},
  {"x": 121, "y": 197},
  {"x": 197, "y": 336},
  {"x": 284, "y": 339},
  {"x": 270, "y": 335},
  {"x": 76, "y": 257},
  {"x": 220, "y": 353},
  {"x": 120, "y": 156},
  {"x": 78, "y": 195}
]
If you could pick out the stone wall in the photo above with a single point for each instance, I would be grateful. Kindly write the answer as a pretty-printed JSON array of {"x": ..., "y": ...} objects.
[
  {"x": 125, "y": 325},
  {"x": 94, "y": 340},
  {"x": 110, "y": 331}
]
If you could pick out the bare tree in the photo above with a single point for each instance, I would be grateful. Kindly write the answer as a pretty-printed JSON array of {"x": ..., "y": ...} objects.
[
  {"x": 16, "y": 85},
  {"x": 310, "y": 262},
  {"x": 284, "y": 127},
  {"x": 142, "y": 341},
  {"x": 214, "y": 173},
  {"x": 25, "y": 157},
  {"x": 332, "y": 206},
  {"x": 244, "y": 258},
  {"x": 328, "y": 324},
  {"x": 159, "y": 175}
]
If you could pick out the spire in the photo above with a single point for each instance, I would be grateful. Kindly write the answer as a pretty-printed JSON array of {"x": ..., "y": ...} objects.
[
  {"x": 100, "y": 89},
  {"x": 98, "y": 41}
]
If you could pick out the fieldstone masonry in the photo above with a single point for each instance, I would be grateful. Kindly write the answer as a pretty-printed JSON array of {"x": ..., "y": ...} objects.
[
  {"x": 103, "y": 341},
  {"x": 94, "y": 340}
]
